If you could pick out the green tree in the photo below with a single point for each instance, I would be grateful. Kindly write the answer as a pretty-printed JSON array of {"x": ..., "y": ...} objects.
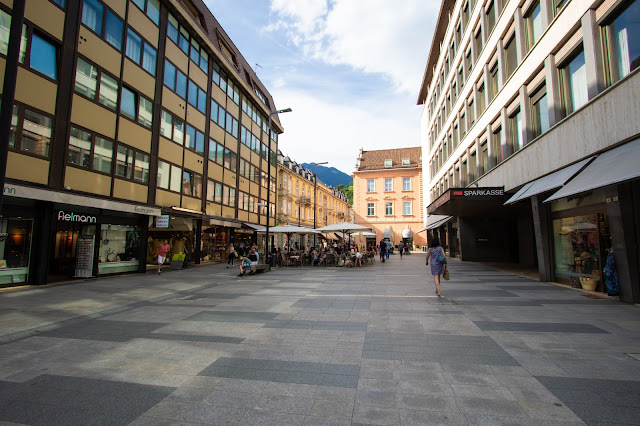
[{"x": 347, "y": 190}]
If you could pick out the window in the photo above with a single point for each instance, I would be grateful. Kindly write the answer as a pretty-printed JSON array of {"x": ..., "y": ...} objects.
[
  {"x": 622, "y": 42},
  {"x": 491, "y": 18},
  {"x": 468, "y": 63},
  {"x": 539, "y": 113},
  {"x": 106, "y": 25},
  {"x": 137, "y": 49},
  {"x": 371, "y": 185},
  {"x": 371, "y": 209},
  {"x": 484, "y": 158},
  {"x": 405, "y": 162},
  {"x": 87, "y": 77},
  {"x": 172, "y": 127},
  {"x": 151, "y": 8},
  {"x": 197, "y": 97},
  {"x": 388, "y": 209},
  {"x": 465, "y": 14},
  {"x": 231, "y": 126},
  {"x": 532, "y": 25},
  {"x": 194, "y": 140},
  {"x": 191, "y": 184},
  {"x": 480, "y": 96},
  {"x": 169, "y": 176},
  {"x": 136, "y": 107},
  {"x": 477, "y": 44},
  {"x": 463, "y": 125},
  {"x": 388, "y": 163},
  {"x": 132, "y": 165},
  {"x": 493, "y": 81},
  {"x": 175, "y": 80},
  {"x": 90, "y": 151},
  {"x": 388, "y": 185},
  {"x": 510, "y": 56},
  {"x": 41, "y": 55},
  {"x": 406, "y": 184},
  {"x": 406, "y": 208},
  {"x": 515, "y": 131},
  {"x": 471, "y": 112},
  {"x": 573, "y": 84},
  {"x": 472, "y": 167},
  {"x": 498, "y": 148},
  {"x": 30, "y": 131}
]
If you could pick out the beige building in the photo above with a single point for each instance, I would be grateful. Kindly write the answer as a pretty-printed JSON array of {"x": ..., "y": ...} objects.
[
  {"x": 298, "y": 196},
  {"x": 531, "y": 139},
  {"x": 133, "y": 122},
  {"x": 387, "y": 195}
]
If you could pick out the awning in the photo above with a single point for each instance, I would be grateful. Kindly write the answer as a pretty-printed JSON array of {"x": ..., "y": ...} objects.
[
  {"x": 436, "y": 222},
  {"x": 216, "y": 222},
  {"x": 258, "y": 228},
  {"x": 232, "y": 224},
  {"x": 614, "y": 166},
  {"x": 549, "y": 182},
  {"x": 28, "y": 192},
  {"x": 470, "y": 201},
  {"x": 407, "y": 233}
]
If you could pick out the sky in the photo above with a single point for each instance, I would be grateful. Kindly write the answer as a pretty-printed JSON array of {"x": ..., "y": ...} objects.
[{"x": 349, "y": 69}]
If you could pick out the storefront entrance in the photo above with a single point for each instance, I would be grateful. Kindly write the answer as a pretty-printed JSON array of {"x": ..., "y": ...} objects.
[{"x": 72, "y": 239}]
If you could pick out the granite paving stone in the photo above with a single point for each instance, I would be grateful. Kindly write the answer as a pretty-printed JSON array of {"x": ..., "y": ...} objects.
[{"x": 369, "y": 345}]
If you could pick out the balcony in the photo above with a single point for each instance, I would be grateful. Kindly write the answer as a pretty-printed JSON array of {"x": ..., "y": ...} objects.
[{"x": 305, "y": 201}]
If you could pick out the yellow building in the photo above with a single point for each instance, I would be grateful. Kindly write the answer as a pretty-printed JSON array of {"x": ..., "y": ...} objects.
[
  {"x": 133, "y": 122},
  {"x": 298, "y": 197}
]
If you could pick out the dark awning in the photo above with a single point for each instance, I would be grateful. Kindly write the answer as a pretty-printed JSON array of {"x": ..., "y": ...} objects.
[{"x": 468, "y": 202}]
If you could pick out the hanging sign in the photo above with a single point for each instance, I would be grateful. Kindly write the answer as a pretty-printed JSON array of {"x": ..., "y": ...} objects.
[{"x": 162, "y": 221}]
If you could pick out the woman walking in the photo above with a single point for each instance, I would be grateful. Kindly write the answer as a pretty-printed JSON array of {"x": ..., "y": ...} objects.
[
  {"x": 231, "y": 255},
  {"x": 437, "y": 266}
]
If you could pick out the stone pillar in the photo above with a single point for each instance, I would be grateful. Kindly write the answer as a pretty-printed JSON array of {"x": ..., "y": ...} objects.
[
  {"x": 594, "y": 64},
  {"x": 507, "y": 146},
  {"x": 520, "y": 42},
  {"x": 554, "y": 100},
  {"x": 493, "y": 156},
  {"x": 525, "y": 111},
  {"x": 501, "y": 65},
  {"x": 542, "y": 231},
  {"x": 546, "y": 13},
  {"x": 623, "y": 223}
]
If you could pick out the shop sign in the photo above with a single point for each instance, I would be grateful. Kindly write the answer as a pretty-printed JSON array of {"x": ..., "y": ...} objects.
[
  {"x": 162, "y": 221},
  {"x": 478, "y": 192},
  {"x": 73, "y": 217}
]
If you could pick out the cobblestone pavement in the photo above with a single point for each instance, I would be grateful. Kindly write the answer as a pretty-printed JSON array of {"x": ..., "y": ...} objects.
[{"x": 371, "y": 345}]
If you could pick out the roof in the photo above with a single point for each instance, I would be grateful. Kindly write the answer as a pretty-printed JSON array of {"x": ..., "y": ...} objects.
[
  {"x": 374, "y": 160},
  {"x": 208, "y": 24},
  {"x": 434, "y": 51}
]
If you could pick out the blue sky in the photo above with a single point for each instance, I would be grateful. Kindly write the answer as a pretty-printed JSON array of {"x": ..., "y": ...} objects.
[{"x": 349, "y": 69}]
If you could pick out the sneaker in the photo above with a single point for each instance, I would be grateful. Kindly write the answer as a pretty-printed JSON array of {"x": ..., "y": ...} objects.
[
  {"x": 241, "y": 275},
  {"x": 159, "y": 272}
]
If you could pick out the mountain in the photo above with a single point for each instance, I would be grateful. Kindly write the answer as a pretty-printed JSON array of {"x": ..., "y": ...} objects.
[{"x": 329, "y": 175}]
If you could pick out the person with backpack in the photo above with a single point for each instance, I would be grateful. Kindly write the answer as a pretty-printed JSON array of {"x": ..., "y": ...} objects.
[
  {"x": 383, "y": 244},
  {"x": 438, "y": 262}
]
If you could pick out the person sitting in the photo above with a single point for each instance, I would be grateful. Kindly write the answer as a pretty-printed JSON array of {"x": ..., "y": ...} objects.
[
  {"x": 315, "y": 257},
  {"x": 321, "y": 258},
  {"x": 253, "y": 256},
  {"x": 245, "y": 263}
]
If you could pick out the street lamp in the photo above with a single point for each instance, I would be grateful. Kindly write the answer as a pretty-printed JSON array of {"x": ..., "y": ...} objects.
[
  {"x": 266, "y": 245},
  {"x": 315, "y": 198}
]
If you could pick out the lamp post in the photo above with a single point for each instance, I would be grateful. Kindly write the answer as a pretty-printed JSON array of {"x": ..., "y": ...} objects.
[
  {"x": 266, "y": 244},
  {"x": 315, "y": 198}
]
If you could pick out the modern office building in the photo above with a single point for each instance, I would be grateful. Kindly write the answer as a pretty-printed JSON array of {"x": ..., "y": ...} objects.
[
  {"x": 387, "y": 195},
  {"x": 134, "y": 122},
  {"x": 531, "y": 136},
  {"x": 301, "y": 197}
]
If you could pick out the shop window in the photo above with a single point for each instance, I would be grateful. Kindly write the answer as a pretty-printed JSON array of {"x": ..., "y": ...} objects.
[
  {"x": 622, "y": 42},
  {"x": 141, "y": 52},
  {"x": 87, "y": 78},
  {"x": 388, "y": 208},
  {"x": 515, "y": 131},
  {"x": 573, "y": 83},
  {"x": 406, "y": 208},
  {"x": 532, "y": 25},
  {"x": 90, "y": 151},
  {"x": 169, "y": 176},
  {"x": 510, "y": 56},
  {"x": 132, "y": 164},
  {"x": 151, "y": 8},
  {"x": 15, "y": 249},
  {"x": 136, "y": 107},
  {"x": 119, "y": 248},
  {"x": 102, "y": 21},
  {"x": 30, "y": 131},
  {"x": 539, "y": 112}
]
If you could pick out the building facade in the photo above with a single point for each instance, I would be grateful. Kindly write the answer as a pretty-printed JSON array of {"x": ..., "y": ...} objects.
[
  {"x": 530, "y": 134},
  {"x": 387, "y": 195},
  {"x": 298, "y": 196},
  {"x": 134, "y": 122}
]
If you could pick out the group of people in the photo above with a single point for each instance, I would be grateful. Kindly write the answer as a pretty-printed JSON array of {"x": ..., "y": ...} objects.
[{"x": 248, "y": 257}]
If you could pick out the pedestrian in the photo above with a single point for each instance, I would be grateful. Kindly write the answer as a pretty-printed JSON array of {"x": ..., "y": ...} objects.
[
  {"x": 382, "y": 249},
  {"x": 401, "y": 248},
  {"x": 231, "y": 255},
  {"x": 438, "y": 262},
  {"x": 387, "y": 248},
  {"x": 163, "y": 248}
]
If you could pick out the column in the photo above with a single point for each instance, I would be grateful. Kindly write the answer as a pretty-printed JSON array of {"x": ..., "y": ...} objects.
[
  {"x": 546, "y": 13},
  {"x": 554, "y": 100},
  {"x": 524, "y": 115},
  {"x": 520, "y": 44},
  {"x": 501, "y": 65},
  {"x": 542, "y": 232},
  {"x": 594, "y": 63},
  {"x": 507, "y": 145},
  {"x": 491, "y": 161},
  {"x": 478, "y": 171}
]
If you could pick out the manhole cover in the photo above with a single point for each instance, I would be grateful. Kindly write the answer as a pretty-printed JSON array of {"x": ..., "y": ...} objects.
[{"x": 594, "y": 296}]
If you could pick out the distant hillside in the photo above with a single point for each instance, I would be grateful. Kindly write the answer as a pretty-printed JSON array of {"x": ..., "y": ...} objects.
[{"x": 330, "y": 175}]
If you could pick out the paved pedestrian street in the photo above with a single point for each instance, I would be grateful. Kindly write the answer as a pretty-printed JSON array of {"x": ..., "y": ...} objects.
[{"x": 303, "y": 345}]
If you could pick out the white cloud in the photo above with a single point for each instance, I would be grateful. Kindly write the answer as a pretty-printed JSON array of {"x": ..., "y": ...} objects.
[
  {"x": 319, "y": 131},
  {"x": 374, "y": 36}
]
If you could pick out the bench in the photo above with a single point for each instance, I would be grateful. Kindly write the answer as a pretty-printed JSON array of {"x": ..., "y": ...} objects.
[{"x": 259, "y": 268}]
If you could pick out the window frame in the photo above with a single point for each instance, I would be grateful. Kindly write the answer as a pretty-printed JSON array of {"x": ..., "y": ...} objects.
[
  {"x": 371, "y": 209},
  {"x": 192, "y": 184},
  {"x": 404, "y": 181},
  {"x": 143, "y": 45},
  {"x": 19, "y": 130},
  {"x": 388, "y": 208},
  {"x": 138, "y": 96},
  {"x": 93, "y": 136},
  {"x": 103, "y": 25},
  {"x": 371, "y": 185},
  {"x": 100, "y": 73},
  {"x": 388, "y": 188},
  {"x": 404, "y": 208},
  {"x": 565, "y": 83}
]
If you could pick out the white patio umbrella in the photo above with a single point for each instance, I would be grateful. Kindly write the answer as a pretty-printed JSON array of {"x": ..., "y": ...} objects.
[
  {"x": 289, "y": 230},
  {"x": 346, "y": 228}
]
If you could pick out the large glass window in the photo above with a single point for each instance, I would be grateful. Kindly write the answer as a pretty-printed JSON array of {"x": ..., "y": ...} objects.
[
  {"x": 515, "y": 131},
  {"x": 36, "y": 133},
  {"x": 43, "y": 57},
  {"x": 87, "y": 77},
  {"x": 510, "y": 56},
  {"x": 539, "y": 113},
  {"x": 15, "y": 248},
  {"x": 491, "y": 17},
  {"x": 623, "y": 42},
  {"x": 128, "y": 103},
  {"x": 493, "y": 81},
  {"x": 119, "y": 244},
  {"x": 573, "y": 81}
]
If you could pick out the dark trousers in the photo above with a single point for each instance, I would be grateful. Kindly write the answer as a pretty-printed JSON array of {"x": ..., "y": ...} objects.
[{"x": 230, "y": 258}]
